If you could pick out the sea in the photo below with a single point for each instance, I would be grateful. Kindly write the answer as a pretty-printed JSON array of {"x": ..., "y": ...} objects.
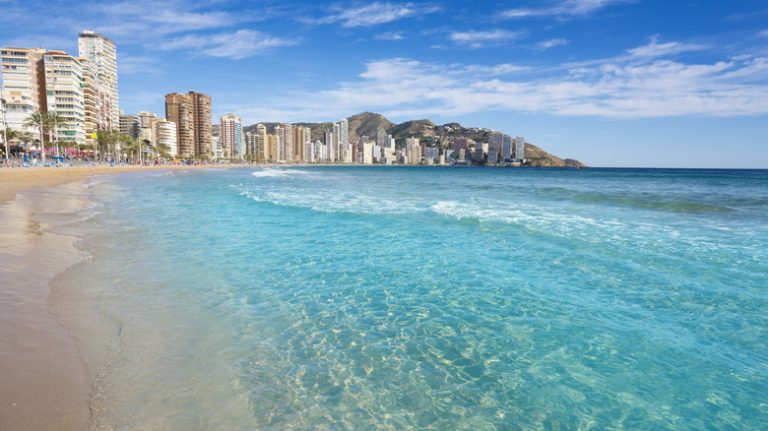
[{"x": 422, "y": 298}]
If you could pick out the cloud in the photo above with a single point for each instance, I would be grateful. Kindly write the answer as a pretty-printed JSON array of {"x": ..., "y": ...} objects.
[
  {"x": 552, "y": 43},
  {"x": 498, "y": 69},
  {"x": 656, "y": 49},
  {"x": 372, "y": 14},
  {"x": 392, "y": 36},
  {"x": 145, "y": 19},
  {"x": 135, "y": 65},
  {"x": 402, "y": 87},
  {"x": 238, "y": 45},
  {"x": 562, "y": 9},
  {"x": 479, "y": 39},
  {"x": 763, "y": 33}
]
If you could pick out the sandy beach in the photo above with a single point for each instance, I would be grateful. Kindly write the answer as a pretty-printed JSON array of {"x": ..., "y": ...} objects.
[
  {"x": 44, "y": 383},
  {"x": 14, "y": 180}
]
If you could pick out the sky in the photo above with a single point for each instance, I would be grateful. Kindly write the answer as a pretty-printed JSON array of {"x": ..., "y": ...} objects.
[{"x": 635, "y": 83}]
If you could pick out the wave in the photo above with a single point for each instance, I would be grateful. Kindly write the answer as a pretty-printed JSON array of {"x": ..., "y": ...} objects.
[
  {"x": 642, "y": 200},
  {"x": 331, "y": 201},
  {"x": 278, "y": 173},
  {"x": 529, "y": 217}
]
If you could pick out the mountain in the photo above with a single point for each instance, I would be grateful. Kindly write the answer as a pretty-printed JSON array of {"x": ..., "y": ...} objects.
[{"x": 367, "y": 123}]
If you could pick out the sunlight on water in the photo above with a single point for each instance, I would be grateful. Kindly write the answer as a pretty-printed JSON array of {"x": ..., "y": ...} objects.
[{"x": 408, "y": 298}]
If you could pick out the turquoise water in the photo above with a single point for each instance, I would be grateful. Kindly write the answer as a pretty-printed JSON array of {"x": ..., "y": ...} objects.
[{"x": 429, "y": 298}]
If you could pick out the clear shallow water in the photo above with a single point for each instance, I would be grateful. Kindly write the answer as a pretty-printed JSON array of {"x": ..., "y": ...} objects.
[{"x": 428, "y": 298}]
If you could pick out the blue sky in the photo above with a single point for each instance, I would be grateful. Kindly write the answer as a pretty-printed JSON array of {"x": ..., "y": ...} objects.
[{"x": 609, "y": 82}]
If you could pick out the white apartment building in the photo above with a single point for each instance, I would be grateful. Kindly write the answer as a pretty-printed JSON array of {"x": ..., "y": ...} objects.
[
  {"x": 23, "y": 86},
  {"x": 165, "y": 134},
  {"x": 64, "y": 96},
  {"x": 101, "y": 53},
  {"x": 231, "y": 138}
]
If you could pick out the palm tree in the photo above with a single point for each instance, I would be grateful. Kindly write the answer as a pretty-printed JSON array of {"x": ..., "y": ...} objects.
[
  {"x": 55, "y": 121},
  {"x": 164, "y": 150},
  {"x": 25, "y": 138},
  {"x": 40, "y": 120},
  {"x": 107, "y": 141},
  {"x": 128, "y": 146}
]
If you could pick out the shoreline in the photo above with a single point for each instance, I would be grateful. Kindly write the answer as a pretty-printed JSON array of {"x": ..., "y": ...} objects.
[
  {"x": 15, "y": 180},
  {"x": 44, "y": 384}
]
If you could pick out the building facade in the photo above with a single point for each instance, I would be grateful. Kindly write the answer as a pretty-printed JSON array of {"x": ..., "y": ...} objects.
[
  {"x": 519, "y": 155},
  {"x": 165, "y": 136},
  {"x": 231, "y": 136},
  {"x": 64, "y": 97},
  {"x": 201, "y": 109},
  {"x": 23, "y": 86},
  {"x": 178, "y": 108},
  {"x": 101, "y": 55},
  {"x": 129, "y": 125},
  {"x": 413, "y": 151}
]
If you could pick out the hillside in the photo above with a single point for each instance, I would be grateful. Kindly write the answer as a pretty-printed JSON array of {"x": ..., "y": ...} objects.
[{"x": 366, "y": 123}]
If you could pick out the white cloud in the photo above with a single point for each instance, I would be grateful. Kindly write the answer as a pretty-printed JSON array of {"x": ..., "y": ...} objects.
[
  {"x": 238, "y": 45},
  {"x": 479, "y": 39},
  {"x": 763, "y": 33},
  {"x": 392, "y": 36},
  {"x": 552, "y": 43},
  {"x": 135, "y": 65},
  {"x": 498, "y": 69},
  {"x": 617, "y": 89},
  {"x": 144, "y": 19},
  {"x": 372, "y": 14},
  {"x": 656, "y": 49},
  {"x": 562, "y": 9}
]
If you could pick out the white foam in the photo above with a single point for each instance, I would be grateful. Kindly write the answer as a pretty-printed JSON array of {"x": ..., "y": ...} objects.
[
  {"x": 331, "y": 201},
  {"x": 277, "y": 173}
]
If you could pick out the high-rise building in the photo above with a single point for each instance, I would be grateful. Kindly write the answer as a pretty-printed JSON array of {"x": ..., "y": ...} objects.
[
  {"x": 165, "y": 136},
  {"x": 263, "y": 153},
  {"x": 147, "y": 122},
  {"x": 506, "y": 148},
  {"x": 336, "y": 143},
  {"x": 519, "y": 149},
  {"x": 329, "y": 145},
  {"x": 495, "y": 144},
  {"x": 101, "y": 55},
  {"x": 381, "y": 137},
  {"x": 129, "y": 125},
  {"x": 431, "y": 154},
  {"x": 481, "y": 149},
  {"x": 461, "y": 149},
  {"x": 231, "y": 136},
  {"x": 64, "y": 96},
  {"x": 91, "y": 103},
  {"x": 216, "y": 148},
  {"x": 178, "y": 108},
  {"x": 201, "y": 106},
  {"x": 271, "y": 147},
  {"x": 251, "y": 146},
  {"x": 192, "y": 114},
  {"x": 367, "y": 152},
  {"x": 413, "y": 150},
  {"x": 306, "y": 143},
  {"x": 344, "y": 131},
  {"x": 23, "y": 86},
  {"x": 289, "y": 143}
]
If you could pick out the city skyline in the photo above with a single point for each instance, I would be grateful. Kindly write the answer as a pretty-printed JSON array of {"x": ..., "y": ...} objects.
[{"x": 664, "y": 91}]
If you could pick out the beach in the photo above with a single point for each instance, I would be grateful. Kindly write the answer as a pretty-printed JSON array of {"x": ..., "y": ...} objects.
[{"x": 44, "y": 382}]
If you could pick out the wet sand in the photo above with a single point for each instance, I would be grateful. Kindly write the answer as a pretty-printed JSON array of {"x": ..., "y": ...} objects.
[{"x": 44, "y": 383}]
